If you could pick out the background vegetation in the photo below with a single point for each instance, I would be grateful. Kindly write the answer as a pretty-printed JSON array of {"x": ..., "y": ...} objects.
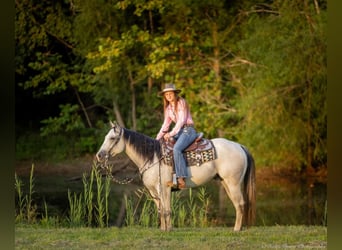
[
  {"x": 88, "y": 223},
  {"x": 252, "y": 71}
]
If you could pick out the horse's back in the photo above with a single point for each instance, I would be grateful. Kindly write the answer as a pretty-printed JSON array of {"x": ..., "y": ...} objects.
[
  {"x": 225, "y": 146},
  {"x": 231, "y": 157}
]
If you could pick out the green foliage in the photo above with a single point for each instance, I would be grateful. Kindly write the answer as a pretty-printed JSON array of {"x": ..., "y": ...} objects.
[
  {"x": 56, "y": 147},
  {"x": 277, "y": 84},
  {"x": 252, "y": 71},
  {"x": 68, "y": 121}
]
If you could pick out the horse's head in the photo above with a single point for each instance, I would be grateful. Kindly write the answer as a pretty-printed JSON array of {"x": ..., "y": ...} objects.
[{"x": 112, "y": 143}]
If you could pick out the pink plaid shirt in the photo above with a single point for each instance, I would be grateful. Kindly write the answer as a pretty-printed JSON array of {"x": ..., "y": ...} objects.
[{"x": 180, "y": 117}]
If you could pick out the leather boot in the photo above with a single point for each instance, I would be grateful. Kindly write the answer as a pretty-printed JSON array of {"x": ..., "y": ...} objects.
[{"x": 181, "y": 183}]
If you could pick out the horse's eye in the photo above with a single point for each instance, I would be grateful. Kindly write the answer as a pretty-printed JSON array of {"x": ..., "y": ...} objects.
[{"x": 112, "y": 138}]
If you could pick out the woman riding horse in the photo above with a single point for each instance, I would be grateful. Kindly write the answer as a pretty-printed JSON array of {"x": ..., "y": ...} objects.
[{"x": 177, "y": 110}]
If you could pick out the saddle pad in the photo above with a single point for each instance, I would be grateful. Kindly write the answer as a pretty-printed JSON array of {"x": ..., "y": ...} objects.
[{"x": 196, "y": 154}]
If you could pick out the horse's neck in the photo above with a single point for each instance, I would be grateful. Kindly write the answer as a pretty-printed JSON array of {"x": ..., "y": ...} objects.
[{"x": 134, "y": 156}]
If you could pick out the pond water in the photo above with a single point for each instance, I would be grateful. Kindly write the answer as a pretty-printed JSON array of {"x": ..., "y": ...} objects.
[{"x": 280, "y": 200}]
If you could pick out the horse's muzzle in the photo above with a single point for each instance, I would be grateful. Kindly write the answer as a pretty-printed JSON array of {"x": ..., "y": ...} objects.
[{"x": 101, "y": 156}]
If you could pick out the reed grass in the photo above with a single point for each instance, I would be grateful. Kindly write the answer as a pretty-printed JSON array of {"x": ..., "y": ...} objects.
[
  {"x": 100, "y": 210},
  {"x": 92, "y": 206},
  {"x": 76, "y": 203},
  {"x": 27, "y": 211},
  {"x": 88, "y": 197},
  {"x": 48, "y": 221},
  {"x": 21, "y": 199},
  {"x": 130, "y": 218},
  {"x": 193, "y": 211}
]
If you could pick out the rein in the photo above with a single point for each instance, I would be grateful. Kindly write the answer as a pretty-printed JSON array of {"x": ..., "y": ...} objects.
[
  {"x": 108, "y": 169},
  {"x": 146, "y": 167}
]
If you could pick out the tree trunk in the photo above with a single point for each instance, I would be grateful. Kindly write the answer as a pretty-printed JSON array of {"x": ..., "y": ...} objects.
[
  {"x": 83, "y": 108},
  {"x": 133, "y": 101}
]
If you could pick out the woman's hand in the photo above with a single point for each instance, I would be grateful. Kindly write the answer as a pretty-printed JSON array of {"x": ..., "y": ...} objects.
[{"x": 167, "y": 136}]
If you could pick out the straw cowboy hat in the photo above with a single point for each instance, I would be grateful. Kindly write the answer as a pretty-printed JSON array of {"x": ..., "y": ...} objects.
[{"x": 169, "y": 87}]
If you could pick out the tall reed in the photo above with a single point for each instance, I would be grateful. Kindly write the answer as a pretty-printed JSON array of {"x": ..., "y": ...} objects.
[
  {"x": 27, "y": 210},
  {"x": 48, "y": 221},
  {"x": 190, "y": 212},
  {"x": 204, "y": 207},
  {"x": 100, "y": 210},
  {"x": 21, "y": 199},
  {"x": 148, "y": 212},
  {"x": 75, "y": 210},
  {"x": 129, "y": 219},
  {"x": 89, "y": 206},
  {"x": 31, "y": 208},
  {"x": 88, "y": 197},
  {"x": 107, "y": 192},
  {"x": 192, "y": 208}
]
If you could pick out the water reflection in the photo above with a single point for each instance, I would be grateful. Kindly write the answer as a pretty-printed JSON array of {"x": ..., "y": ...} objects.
[{"x": 291, "y": 201}]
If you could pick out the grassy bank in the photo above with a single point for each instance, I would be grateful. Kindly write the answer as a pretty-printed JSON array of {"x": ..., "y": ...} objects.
[{"x": 275, "y": 237}]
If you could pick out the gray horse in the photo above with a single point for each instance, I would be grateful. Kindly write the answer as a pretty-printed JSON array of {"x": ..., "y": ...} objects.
[{"x": 234, "y": 166}]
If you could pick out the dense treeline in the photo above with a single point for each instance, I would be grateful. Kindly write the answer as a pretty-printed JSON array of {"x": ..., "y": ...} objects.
[{"x": 252, "y": 71}]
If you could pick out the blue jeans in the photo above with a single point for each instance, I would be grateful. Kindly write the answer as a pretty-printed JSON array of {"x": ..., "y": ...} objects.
[{"x": 184, "y": 138}]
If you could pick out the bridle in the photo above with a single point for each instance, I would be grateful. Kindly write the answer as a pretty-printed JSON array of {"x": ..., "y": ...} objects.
[
  {"x": 108, "y": 167},
  {"x": 116, "y": 141}
]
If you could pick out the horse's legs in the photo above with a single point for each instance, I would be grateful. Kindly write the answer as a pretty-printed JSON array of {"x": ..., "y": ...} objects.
[
  {"x": 234, "y": 192},
  {"x": 163, "y": 203},
  {"x": 154, "y": 195},
  {"x": 165, "y": 209}
]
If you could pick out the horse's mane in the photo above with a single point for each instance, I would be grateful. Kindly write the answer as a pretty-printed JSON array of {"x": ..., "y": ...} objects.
[{"x": 144, "y": 145}]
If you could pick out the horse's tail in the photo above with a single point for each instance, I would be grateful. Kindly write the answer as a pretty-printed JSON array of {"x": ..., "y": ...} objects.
[{"x": 249, "y": 189}]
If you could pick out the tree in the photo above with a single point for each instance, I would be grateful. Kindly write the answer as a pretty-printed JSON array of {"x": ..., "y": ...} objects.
[
  {"x": 283, "y": 84},
  {"x": 254, "y": 72}
]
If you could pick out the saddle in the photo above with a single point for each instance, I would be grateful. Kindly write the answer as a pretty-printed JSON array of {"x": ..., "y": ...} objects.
[{"x": 199, "y": 151}]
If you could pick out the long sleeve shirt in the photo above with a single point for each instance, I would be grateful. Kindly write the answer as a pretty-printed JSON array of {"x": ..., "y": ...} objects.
[{"x": 180, "y": 117}]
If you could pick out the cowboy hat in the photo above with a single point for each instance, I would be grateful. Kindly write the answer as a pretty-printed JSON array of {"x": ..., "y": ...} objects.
[{"x": 169, "y": 87}]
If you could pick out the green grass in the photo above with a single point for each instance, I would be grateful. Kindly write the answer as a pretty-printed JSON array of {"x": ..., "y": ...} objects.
[{"x": 274, "y": 237}]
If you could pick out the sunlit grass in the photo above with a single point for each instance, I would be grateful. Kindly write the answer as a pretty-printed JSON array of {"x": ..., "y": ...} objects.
[{"x": 275, "y": 237}]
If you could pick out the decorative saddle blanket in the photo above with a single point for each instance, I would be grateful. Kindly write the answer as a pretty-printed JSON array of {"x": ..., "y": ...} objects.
[{"x": 200, "y": 151}]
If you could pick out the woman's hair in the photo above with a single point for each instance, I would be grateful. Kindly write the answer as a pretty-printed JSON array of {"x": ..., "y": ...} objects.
[{"x": 166, "y": 102}]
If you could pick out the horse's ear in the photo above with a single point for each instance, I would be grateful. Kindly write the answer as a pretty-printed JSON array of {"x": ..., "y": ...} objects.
[{"x": 113, "y": 124}]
